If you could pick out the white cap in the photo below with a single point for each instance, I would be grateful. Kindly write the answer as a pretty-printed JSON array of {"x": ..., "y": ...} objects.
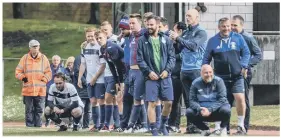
[{"x": 33, "y": 43}]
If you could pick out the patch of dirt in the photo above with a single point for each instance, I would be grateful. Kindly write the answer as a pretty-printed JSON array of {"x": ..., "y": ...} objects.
[{"x": 17, "y": 38}]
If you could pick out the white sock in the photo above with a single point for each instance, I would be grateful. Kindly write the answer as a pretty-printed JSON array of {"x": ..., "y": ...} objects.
[
  {"x": 241, "y": 121},
  {"x": 217, "y": 125}
]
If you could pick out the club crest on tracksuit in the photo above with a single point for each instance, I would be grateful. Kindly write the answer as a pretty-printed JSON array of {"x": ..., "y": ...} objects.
[{"x": 233, "y": 45}]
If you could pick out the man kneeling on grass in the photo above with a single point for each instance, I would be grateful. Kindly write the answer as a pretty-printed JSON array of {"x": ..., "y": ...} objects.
[
  {"x": 208, "y": 102},
  {"x": 67, "y": 103}
]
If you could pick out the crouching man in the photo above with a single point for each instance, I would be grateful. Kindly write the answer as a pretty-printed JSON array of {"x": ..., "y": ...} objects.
[
  {"x": 208, "y": 102},
  {"x": 67, "y": 103}
]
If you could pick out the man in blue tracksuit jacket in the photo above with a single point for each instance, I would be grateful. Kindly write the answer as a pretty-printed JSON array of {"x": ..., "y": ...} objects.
[
  {"x": 256, "y": 56},
  {"x": 192, "y": 44},
  {"x": 231, "y": 56},
  {"x": 156, "y": 59},
  {"x": 208, "y": 102}
]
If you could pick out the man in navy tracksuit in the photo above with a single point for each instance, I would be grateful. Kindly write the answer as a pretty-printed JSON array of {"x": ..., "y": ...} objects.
[
  {"x": 231, "y": 56},
  {"x": 113, "y": 54},
  {"x": 208, "y": 102},
  {"x": 192, "y": 44},
  {"x": 256, "y": 56},
  {"x": 156, "y": 59}
]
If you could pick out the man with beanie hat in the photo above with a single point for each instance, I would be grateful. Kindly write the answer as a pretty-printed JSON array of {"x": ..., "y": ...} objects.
[{"x": 127, "y": 97}]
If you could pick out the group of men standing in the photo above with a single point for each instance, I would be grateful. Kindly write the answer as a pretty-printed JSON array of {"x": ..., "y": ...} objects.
[{"x": 139, "y": 77}]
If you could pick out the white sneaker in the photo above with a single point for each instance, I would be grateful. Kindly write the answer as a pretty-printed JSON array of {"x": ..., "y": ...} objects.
[
  {"x": 224, "y": 132},
  {"x": 130, "y": 130},
  {"x": 220, "y": 132},
  {"x": 205, "y": 133},
  {"x": 141, "y": 130}
]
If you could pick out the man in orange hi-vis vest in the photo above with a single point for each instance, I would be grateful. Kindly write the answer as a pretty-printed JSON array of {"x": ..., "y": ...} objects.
[{"x": 34, "y": 70}]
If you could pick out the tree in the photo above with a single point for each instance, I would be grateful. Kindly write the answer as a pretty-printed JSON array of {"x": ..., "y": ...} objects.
[
  {"x": 18, "y": 10},
  {"x": 94, "y": 15}
]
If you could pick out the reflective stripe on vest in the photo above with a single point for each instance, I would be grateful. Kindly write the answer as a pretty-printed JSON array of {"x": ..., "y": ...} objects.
[
  {"x": 31, "y": 71},
  {"x": 19, "y": 75},
  {"x": 32, "y": 85}
]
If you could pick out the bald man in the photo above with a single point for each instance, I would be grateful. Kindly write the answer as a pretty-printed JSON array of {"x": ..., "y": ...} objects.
[
  {"x": 192, "y": 44},
  {"x": 208, "y": 102}
]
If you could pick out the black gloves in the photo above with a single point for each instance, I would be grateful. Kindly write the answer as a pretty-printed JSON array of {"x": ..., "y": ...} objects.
[{"x": 24, "y": 80}]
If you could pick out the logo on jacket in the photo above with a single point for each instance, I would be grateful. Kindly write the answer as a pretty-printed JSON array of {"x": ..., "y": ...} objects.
[
  {"x": 233, "y": 45},
  {"x": 213, "y": 88}
]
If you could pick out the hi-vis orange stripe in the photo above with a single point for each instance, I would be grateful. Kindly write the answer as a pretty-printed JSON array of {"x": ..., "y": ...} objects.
[{"x": 38, "y": 73}]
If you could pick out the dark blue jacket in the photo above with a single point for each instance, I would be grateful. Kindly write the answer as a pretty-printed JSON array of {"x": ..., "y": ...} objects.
[
  {"x": 230, "y": 55},
  {"x": 114, "y": 55},
  {"x": 210, "y": 95},
  {"x": 256, "y": 54},
  {"x": 192, "y": 44},
  {"x": 145, "y": 56},
  {"x": 126, "y": 47},
  {"x": 82, "y": 92},
  {"x": 69, "y": 75}
]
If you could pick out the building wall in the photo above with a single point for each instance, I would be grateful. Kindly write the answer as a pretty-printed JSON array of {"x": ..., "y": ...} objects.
[{"x": 215, "y": 11}]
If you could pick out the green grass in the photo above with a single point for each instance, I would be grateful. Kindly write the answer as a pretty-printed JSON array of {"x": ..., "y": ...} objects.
[{"x": 56, "y": 38}]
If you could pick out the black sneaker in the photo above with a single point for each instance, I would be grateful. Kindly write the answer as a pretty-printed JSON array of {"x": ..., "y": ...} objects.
[
  {"x": 75, "y": 127},
  {"x": 228, "y": 132},
  {"x": 62, "y": 128},
  {"x": 173, "y": 129},
  {"x": 240, "y": 131},
  {"x": 94, "y": 129},
  {"x": 117, "y": 129},
  {"x": 191, "y": 129},
  {"x": 48, "y": 122},
  {"x": 104, "y": 129}
]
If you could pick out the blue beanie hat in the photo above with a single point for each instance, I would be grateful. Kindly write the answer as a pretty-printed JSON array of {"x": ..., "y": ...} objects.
[{"x": 124, "y": 23}]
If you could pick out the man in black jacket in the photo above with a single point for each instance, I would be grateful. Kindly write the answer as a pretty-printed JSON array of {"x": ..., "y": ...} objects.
[
  {"x": 208, "y": 102},
  {"x": 82, "y": 92},
  {"x": 156, "y": 59},
  {"x": 174, "y": 120}
]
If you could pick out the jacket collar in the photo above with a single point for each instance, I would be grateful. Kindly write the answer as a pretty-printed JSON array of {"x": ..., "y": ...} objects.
[
  {"x": 192, "y": 28},
  {"x": 38, "y": 56},
  {"x": 219, "y": 36}
]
